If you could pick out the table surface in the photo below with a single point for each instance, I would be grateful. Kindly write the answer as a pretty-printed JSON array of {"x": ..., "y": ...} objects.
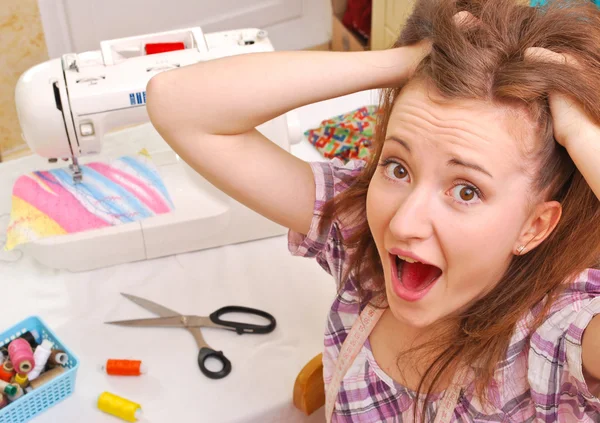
[{"x": 260, "y": 274}]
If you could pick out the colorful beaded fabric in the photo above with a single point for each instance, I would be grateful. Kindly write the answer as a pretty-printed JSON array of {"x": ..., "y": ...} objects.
[{"x": 348, "y": 136}]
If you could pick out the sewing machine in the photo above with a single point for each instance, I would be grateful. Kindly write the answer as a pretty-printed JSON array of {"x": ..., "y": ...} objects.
[{"x": 92, "y": 105}]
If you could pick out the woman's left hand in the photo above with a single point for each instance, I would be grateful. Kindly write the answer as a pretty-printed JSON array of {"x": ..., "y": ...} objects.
[
  {"x": 570, "y": 121},
  {"x": 573, "y": 128}
]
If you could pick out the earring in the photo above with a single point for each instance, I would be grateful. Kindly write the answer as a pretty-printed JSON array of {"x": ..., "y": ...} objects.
[{"x": 520, "y": 249}]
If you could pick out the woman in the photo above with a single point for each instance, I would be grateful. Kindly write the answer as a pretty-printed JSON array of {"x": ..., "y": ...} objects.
[{"x": 469, "y": 244}]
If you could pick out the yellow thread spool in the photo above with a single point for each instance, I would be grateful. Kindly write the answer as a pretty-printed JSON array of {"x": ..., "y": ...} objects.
[
  {"x": 119, "y": 407},
  {"x": 22, "y": 380}
]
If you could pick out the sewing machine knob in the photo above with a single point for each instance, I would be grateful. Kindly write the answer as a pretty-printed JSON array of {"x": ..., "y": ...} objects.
[
  {"x": 70, "y": 62},
  {"x": 86, "y": 129},
  {"x": 248, "y": 41}
]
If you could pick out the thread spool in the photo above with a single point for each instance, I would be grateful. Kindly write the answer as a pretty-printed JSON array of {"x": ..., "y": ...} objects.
[
  {"x": 22, "y": 380},
  {"x": 3, "y": 401},
  {"x": 40, "y": 356},
  {"x": 9, "y": 389},
  {"x": 119, "y": 407},
  {"x": 32, "y": 337},
  {"x": 18, "y": 395},
  {"x": 124, "y": 367},
  {"x": 57, "y": 358},
  {"x": 46, "y": 377},
  {"x": 7, "y": 371},
  {"x": 21, "y": 355}
]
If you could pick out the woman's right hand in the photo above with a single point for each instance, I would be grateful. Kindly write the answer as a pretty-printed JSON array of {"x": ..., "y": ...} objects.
[{"x": 415, "y": 53}]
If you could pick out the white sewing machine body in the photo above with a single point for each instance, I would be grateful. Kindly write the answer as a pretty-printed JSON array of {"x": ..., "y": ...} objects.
[{"x": 69, "y": 107}]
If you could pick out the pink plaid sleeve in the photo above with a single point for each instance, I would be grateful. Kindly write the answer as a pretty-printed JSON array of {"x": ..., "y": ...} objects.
[
  {"x": 574, "y": 362},
  {"x": 331, "y": 178},
  {"x": 558, "y": 387}
]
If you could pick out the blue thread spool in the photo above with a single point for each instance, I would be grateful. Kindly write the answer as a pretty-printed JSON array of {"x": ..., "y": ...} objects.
[{"x": 39, "y": 400}]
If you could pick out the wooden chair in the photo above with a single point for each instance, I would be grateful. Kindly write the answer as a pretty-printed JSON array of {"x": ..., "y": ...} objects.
[{"x": 309, "y": 389}]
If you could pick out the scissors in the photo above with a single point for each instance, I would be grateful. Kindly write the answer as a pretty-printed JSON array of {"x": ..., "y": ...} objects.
[{"x": 172, "y": 319}]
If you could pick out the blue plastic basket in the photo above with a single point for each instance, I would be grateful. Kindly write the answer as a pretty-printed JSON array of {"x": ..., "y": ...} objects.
[{"x": 38, "y": 400}]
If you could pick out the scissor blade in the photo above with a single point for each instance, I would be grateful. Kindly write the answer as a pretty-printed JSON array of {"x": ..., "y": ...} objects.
[
  {"x": 161, "y": 311},
  {"x": 151, "y": 306},
  {"x": 169, "y": 322}
]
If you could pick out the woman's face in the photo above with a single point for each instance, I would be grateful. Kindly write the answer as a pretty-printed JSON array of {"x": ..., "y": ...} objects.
[{"x": 452, "y": 190}]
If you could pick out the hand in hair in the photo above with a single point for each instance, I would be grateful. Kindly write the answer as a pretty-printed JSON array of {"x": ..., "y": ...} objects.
[
  {"x": 570, "y": 121},
  {"x": 573, "y": 127},
  {"x": 422, "y": 48}
]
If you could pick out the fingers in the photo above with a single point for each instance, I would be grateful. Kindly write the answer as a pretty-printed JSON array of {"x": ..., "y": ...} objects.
[
  {"x": 465, "y": 19},
  {"x": 544, "y": 55},
  {"x": 548, "y": 56}
]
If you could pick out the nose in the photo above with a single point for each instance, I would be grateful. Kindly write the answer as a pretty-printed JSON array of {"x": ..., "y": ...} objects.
[{"x": 412, "y": 220}]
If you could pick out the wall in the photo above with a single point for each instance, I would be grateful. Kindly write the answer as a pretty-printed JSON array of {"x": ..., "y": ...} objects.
[
  {"x": 22, "y": 45},
  {"x": 80, "y": 25}
]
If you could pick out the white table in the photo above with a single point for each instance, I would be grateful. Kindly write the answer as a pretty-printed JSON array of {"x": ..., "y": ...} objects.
[{"x": 260, "y": 274}]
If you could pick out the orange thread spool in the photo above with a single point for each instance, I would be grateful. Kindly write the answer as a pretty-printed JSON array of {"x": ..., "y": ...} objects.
[
  {"x": 7, "y": 371},
  {"x": 124, "y": 367}
]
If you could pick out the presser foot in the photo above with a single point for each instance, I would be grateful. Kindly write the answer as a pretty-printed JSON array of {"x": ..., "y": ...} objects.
[{"x": 76, "y": 170}]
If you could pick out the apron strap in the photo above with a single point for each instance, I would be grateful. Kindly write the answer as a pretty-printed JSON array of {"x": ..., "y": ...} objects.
[
  {"x": 359, "y": 333},
  {"x": 446, "y": 408}
]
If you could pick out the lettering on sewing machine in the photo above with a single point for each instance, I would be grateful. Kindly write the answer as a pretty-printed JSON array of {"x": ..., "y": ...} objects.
[{"x": 137, "y": 98}]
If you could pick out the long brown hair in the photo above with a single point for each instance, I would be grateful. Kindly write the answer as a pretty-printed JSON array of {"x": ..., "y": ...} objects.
[{"x": 485, "y": 61}]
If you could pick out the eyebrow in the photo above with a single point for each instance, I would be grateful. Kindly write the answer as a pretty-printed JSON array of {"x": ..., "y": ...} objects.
[
  {"x": 452, "y": 162},
  {"x": 457, "y": 162},
  {"x": 401, "y": 142}
]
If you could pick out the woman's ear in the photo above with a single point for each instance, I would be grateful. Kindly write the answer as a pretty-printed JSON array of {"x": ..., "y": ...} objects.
[{"x": 539, "y": 226}]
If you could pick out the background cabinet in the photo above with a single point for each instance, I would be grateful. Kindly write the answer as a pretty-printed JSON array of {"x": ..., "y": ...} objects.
[{"x": 388, "y": 19}]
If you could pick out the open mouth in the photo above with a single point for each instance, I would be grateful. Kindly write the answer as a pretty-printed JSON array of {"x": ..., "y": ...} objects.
[{"x": 411, "y": 279}]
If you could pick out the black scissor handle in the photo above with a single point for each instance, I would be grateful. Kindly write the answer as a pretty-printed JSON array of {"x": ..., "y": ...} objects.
[
  {"x": 241, "y": 327},
  {"x": 206, "y": 353}
]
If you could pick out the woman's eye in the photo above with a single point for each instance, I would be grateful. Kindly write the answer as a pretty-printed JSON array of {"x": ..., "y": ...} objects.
[
  {"x": 465, "y": 193},
  {"x": 396, "y": 170}
]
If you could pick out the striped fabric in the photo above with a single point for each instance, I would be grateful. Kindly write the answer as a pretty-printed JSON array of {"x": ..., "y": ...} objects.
[
  {"x": 49, "y": 203},
  {"x": 540, "y": 379}
]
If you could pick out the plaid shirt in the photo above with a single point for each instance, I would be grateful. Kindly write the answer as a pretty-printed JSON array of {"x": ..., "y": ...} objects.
[{"x": 540, "y": 379}]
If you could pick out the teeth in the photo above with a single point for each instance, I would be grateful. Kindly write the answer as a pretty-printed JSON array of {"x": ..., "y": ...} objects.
[{"x": 408, "y": 260}]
